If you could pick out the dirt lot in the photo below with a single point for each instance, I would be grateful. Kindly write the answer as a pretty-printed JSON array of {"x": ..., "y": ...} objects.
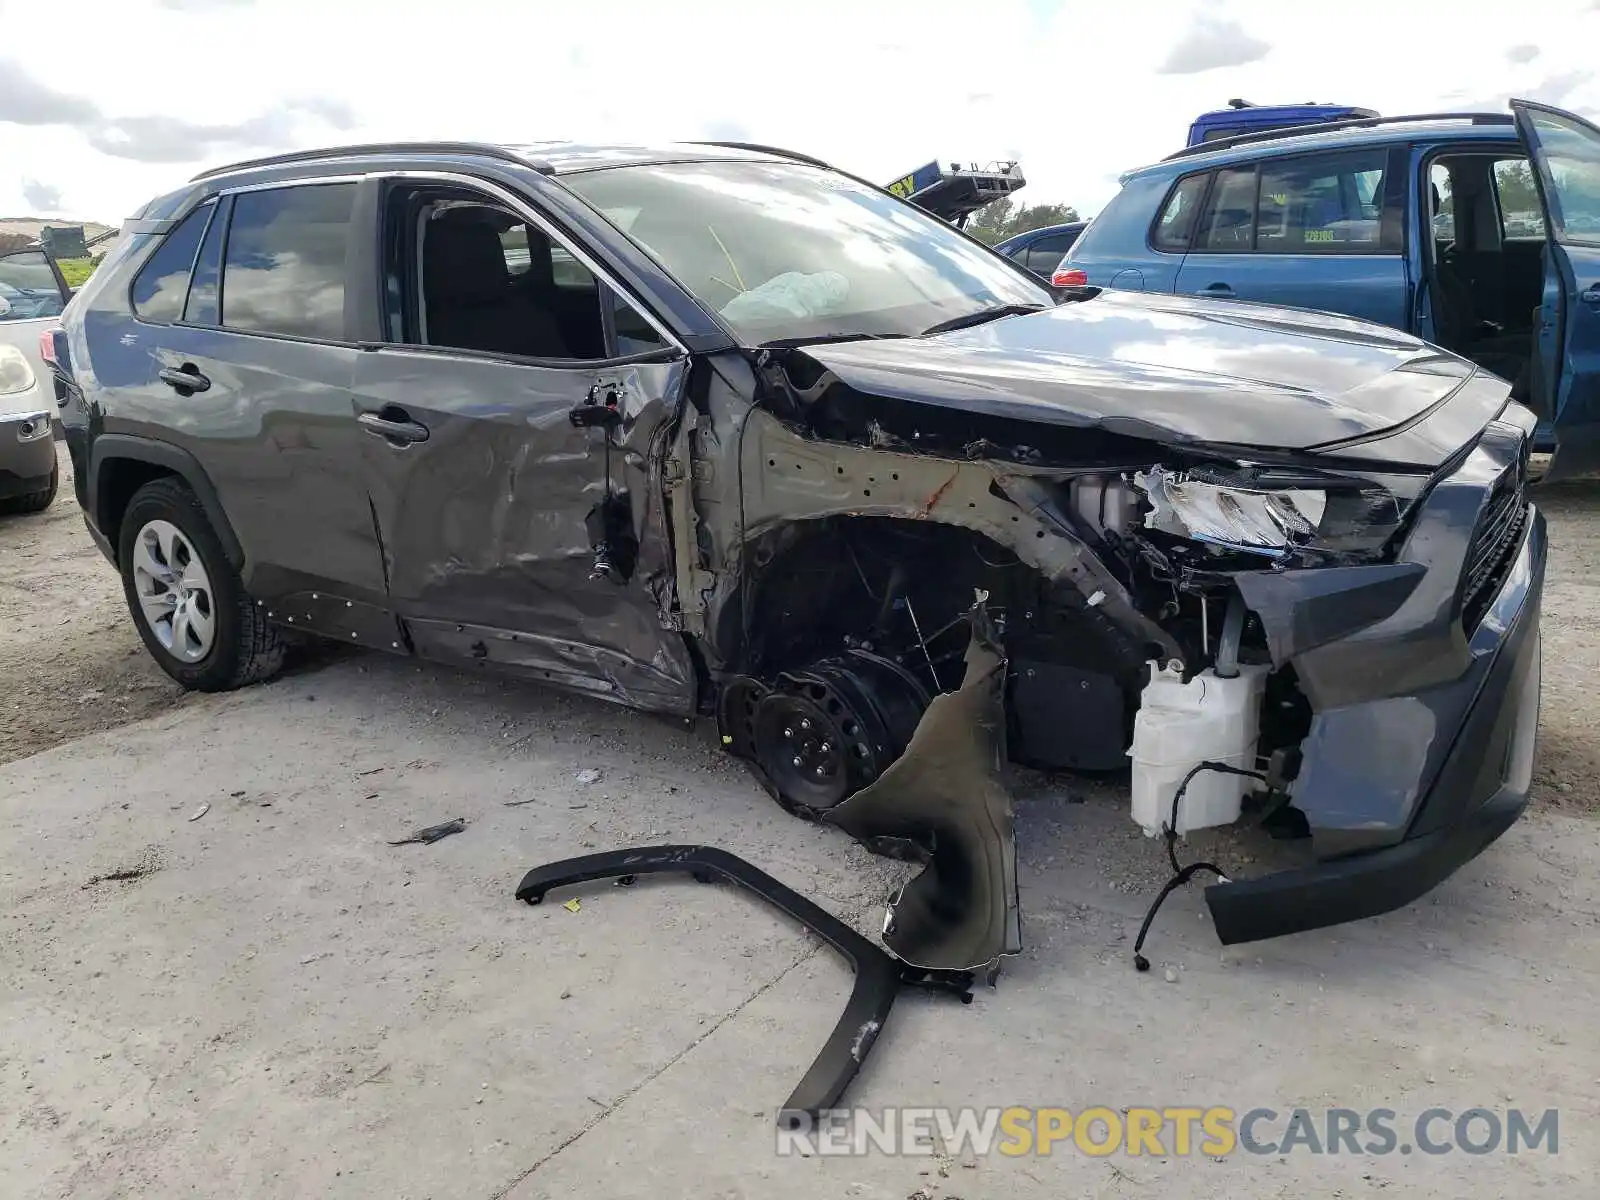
[{"x": 270, "y": 1000}]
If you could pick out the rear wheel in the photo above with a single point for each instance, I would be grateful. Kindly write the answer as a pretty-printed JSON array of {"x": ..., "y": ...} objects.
[
  {"x": 33, "y": 502},
  {"x": 187, "y": 601}
]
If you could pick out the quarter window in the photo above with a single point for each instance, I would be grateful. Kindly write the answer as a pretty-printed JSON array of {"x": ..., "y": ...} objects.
[
  {"x": 163, "y": 282},
  {"x": 1044, "y": 254},
  {"x": 285, "y": 266},
  {"x": 1176, "y": 224}
]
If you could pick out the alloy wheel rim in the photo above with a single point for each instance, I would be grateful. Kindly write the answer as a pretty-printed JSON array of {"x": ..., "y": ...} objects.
[{"x": 174, "y": 591}]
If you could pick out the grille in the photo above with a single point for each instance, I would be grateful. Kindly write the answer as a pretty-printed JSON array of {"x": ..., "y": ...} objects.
[{"x": 1489, "y": 556}]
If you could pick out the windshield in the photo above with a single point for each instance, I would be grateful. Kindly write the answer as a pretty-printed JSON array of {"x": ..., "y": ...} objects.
[{"x": 787, "y": 251}]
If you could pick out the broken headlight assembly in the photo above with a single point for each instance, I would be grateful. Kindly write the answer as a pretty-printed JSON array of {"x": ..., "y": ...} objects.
[{"x": 1276, "y": 513}]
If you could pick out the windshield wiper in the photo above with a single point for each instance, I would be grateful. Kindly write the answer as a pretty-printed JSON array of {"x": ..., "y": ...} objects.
[
  {"x": 982, "y": 316},
  {"x": 816, "y": 339}
]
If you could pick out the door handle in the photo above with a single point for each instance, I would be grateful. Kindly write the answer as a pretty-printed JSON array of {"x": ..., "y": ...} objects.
[
  {"x": 186, "y": 379},
  {"x": 394, "y": 426},
  {"x": 1591, "y": 294},
  {"x": 1221, "y": 291}
]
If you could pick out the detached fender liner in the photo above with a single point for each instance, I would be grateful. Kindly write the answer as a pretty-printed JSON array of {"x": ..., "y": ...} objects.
[{"x": 878, "y": 976}]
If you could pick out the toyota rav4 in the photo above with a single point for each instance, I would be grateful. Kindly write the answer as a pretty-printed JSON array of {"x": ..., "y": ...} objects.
[{"x": 722, "y": 430}]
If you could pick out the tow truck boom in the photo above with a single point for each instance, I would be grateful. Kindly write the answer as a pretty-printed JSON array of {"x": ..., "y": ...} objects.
[{"x": 955, "y": 192}]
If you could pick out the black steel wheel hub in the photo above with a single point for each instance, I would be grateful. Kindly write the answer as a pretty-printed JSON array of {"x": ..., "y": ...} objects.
[{"x": 828, "y": 731}]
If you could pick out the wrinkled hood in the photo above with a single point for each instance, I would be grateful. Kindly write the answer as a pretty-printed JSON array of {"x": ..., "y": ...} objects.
[{"x": 1188, "y": 371}]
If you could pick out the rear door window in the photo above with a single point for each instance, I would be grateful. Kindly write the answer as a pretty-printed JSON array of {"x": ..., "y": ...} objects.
[
  {"x": 284, "y": 271},
  {"x": 201, "y": 308},
  {"x": 1228, "y": 224},
  {"x": 1175, "y": 226},
  {"x": 163, "y": 282},
  {"x": 1322, "y": 204}
]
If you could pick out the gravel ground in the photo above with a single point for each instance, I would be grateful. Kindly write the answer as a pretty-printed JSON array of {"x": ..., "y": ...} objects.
[
  {"x": 70, "y": 661},
  {"x": 217, "y": 977}
]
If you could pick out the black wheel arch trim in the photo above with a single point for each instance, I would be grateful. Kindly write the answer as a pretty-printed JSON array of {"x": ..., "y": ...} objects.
[{"x": 113, "y": 446}]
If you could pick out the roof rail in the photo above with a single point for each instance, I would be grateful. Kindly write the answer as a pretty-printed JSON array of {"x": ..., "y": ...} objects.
[
  {"x": 484, "y": 149},
  {"x": 776, "y": 151},
  {"x": 1285, "y": 131}
]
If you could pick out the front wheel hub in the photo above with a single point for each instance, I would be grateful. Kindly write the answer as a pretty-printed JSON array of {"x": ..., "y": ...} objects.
[{"x": 830, "y": 730}]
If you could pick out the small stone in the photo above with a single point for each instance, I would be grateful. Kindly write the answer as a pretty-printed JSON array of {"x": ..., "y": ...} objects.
[
  {"x": 565, "y": 994},
  {"x": 1171, "y": 975},
  {"x": 588, "y": 775}
]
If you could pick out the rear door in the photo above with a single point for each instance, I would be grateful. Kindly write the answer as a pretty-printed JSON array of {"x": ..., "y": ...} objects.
[
  {"x": 239, "y": 355},
  {"x": 1566, "y": 151},
  {"x": 1321, "y": 231}
]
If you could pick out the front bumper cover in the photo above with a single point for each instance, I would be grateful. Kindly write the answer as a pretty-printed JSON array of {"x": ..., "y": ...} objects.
[{"x": 1450, "y": 764}]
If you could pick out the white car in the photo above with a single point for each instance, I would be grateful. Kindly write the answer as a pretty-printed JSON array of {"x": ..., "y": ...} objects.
[{"x": 32, "y": 297}]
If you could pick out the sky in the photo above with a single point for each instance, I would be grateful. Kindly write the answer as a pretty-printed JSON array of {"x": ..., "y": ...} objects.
[{"x": 106, "y": 103}]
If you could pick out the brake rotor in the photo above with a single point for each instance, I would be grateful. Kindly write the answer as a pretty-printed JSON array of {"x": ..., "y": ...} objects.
[{"x": 824, "y": 733}]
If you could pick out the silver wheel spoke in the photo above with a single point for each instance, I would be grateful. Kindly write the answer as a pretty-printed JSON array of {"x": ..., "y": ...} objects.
[
  {"x": 201, "y": 621},
  {"x": 174, "y": 591},
  {"x": 180, "y": 633}
]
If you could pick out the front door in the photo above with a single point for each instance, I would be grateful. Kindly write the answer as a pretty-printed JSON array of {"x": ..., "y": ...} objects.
[
  {"x": 512, "y": 537},
  {"x": 1566, "y": 149}
]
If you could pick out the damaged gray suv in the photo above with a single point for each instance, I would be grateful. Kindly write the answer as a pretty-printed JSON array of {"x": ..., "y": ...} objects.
[{"x": 721, "y": 430}]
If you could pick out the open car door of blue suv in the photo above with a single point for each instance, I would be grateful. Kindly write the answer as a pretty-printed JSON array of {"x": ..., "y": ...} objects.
[{"x": 1567, "y": 350}]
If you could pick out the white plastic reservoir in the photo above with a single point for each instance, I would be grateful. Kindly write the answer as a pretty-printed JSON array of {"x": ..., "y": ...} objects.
[{"x": 1180, "y": 725}]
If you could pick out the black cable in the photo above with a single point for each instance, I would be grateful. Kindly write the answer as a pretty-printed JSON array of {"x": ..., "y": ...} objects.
[{"x": 1182, "y": 874}]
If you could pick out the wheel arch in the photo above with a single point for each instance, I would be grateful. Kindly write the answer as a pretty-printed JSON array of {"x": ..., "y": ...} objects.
[{"x": 120, "y": 464}]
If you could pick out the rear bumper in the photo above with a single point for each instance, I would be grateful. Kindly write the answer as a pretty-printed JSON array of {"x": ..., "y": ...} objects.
[{"x": 1422, "y": 740}]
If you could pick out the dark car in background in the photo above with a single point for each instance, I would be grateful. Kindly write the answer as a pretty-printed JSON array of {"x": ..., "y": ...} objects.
[
  {"x": 724, "y": 431},
  {"x": 1040, "y": 250},
  {"x": 1479, "y": 232}
]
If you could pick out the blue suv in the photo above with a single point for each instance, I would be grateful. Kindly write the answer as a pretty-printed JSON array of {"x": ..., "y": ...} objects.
[
  {"x": 1039, "y": 250},
  {"x": 1477, "y": 232}
]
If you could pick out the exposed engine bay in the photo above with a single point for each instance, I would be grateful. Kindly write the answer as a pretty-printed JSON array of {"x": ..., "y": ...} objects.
[{"x": 1200, "y": 615}]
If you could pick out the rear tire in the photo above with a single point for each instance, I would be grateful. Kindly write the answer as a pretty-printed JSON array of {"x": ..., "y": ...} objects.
[
  {"x": 34, "y": 502},
  {"x": 186, "y": 599}
]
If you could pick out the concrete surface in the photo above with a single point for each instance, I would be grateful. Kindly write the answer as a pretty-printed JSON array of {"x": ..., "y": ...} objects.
[{"x": 276, "y": 1003}]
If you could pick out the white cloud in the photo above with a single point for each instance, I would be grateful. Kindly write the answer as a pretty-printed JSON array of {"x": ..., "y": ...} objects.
[
  {"x": 1210, "y": 44},
  {"x": 878, "y": 87},
  {"x": 1525, "y": 53},
  {"x": 41, "y": 197}
]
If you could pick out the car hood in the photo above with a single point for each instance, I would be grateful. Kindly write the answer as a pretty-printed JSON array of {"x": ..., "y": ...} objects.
[{"x": 1190, "y": 371}]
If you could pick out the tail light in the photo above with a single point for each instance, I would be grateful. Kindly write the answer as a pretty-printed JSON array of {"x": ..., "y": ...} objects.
[
  {"x": 47, "y": 345},
  {"x": 1066, "y": 276}
]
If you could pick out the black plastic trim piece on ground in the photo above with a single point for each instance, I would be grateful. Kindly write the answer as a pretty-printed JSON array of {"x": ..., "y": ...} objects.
[{"x": 878, "y": 975}]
